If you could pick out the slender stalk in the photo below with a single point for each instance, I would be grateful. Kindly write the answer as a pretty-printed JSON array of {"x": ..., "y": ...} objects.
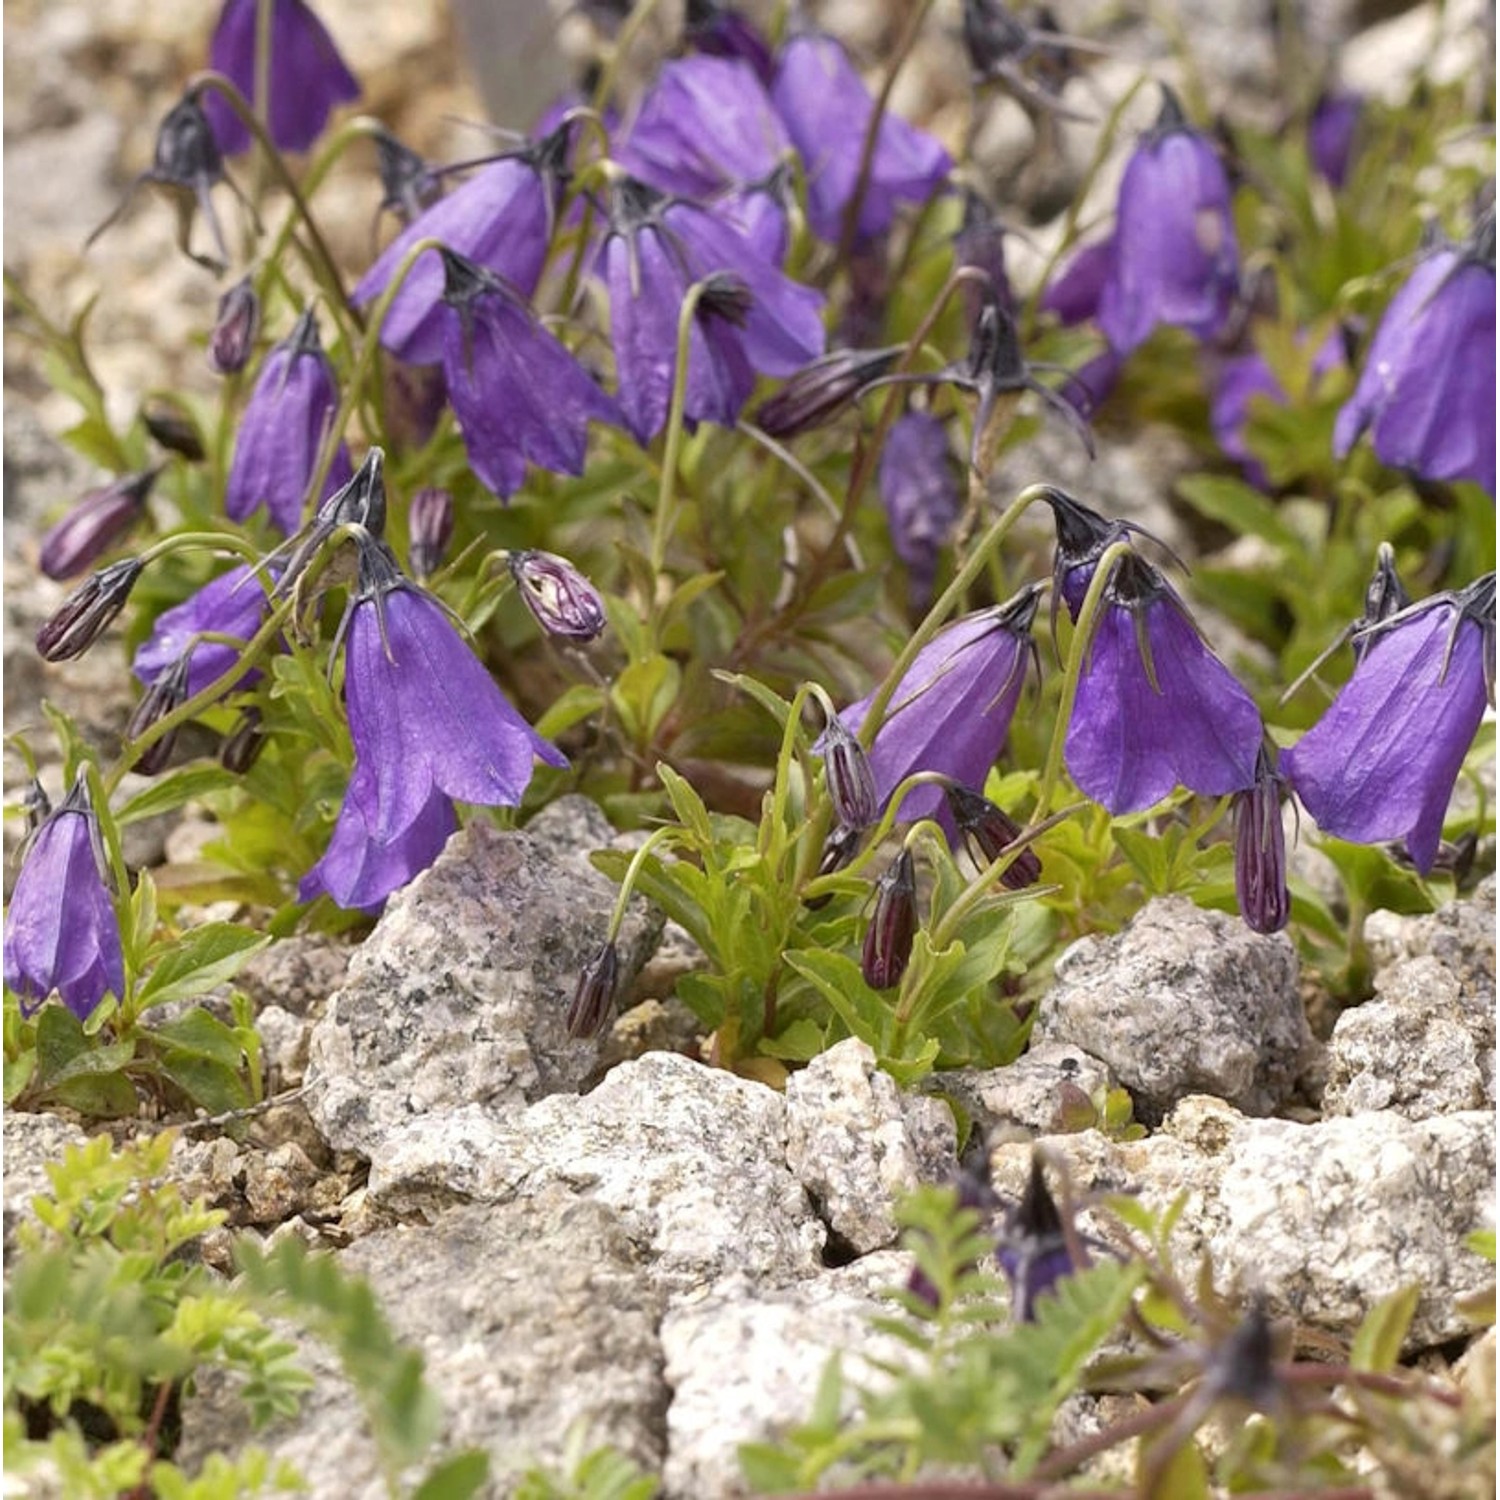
[
  {"x": 632, "y": 871},
  {"x": 635, "y": 23},
  {"x": 661, "y": 530}
]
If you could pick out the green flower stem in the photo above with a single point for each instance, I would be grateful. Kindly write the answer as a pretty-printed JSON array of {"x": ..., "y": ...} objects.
[
  {"x": 812, "y": 888},
  {"x": 784, "y": 454},
  {"x": 1083, "y": 635},
  {"x": 661, "y": 530},
  {"x": 943, "y": 608},
  {"x": 321, "y": 261},
  {"x": 265, "y": 11},
  {"x": 187, "y": 541},
  {"x": 635, "y": 23},
  {"x": 632, "y": 872},
  {"x": 849, "y": 231}
]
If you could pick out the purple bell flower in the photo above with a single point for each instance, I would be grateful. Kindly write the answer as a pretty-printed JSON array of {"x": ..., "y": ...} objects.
[
  {"x": 518, "y": 394},
  {"x": 93, "y": 526},
  {"x": 282, "y": 429},
  {"x": 429, "y": 727},
  {"x": 721, "y": 31},
  {"x": 753, "y": 320},
  {"x": 920, "y": 492},
  {"x": 827, "y": 111},
  {"x": 501, "y": 219},
  {"x": 1381, "y": 762},
  {"x": 233, "y": 604},
  {"x": 308, "y": 78},
  {"x": 1073, "y": 294},
  {"x": 1427, "y": 390},
  {"x": 61, "y": 932},
  {"x": 1176, "y": 259},
  {"x": 1331, "y": 134},
  {"x": 952, "y": 710}
]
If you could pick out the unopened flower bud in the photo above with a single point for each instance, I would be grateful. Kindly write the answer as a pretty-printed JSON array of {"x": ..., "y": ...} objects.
[
  {"x": 564, "y": 601},
  {"x": 851, "y": 782},
  {"x": 989, "y": 830},
  {"x": 174, "y": 430},
  {"x": 893, "y": 925},
  {"x": 242, "y": 745},
  {"x": 233, "y": 338},
  {"x": 94, "y": 525},
  {"x": 430, "y": 525},
  {"x": 169, "y": 691},
  {"x": 818, "y": 392},
  {"x": 88, "y": 611},
  {"x": 1260, "y": 851},
  {"x": 595, "y": 993}
]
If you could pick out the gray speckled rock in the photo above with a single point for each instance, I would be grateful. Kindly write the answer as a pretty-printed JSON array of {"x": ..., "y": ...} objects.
[
  {"x": 692, "y": 1159},
  {"x": 530, "y": 1315},
  {"x": 31, "y": 1141},
  {"x": 1326, "y": 1219},
  {"x": 1031, "y": 1096},
  {"x": 1459, "y": 935},
  {"x": 857, "y": 1143},
  {"x": 458, "y": 997},
  {"x": 1185, "y": 1001},
  {"x": 743, "y": 1365}
]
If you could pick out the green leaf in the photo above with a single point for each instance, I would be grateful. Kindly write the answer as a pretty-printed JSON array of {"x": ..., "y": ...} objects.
[
  {"x": 1377, "y": 1344},
  {"x": 169, "y": 792},
  {"x": 644, "y": 693},
  {"x": 59, "y": 1039},
  {"x": 1482, "y": 1242},
  {"x": 18, "y": 1073},
  {"x": 836, "y": 976},
  {"x": 207, "y": 957},
  {"x": 456, "y": 1478},
  {"x": 575, "y": 705},
  {"x": 201, "y": 1035},
  {"x": 105, "y": 1096},
  {"x": 209, "y": 1084}
]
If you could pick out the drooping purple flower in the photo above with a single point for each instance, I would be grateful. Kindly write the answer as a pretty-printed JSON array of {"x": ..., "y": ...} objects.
[
  {"x": 234, "y": 604},
  {"x": 1381, "y": 762},
  {"x": 1089, "y": 386},
  {"x": 1033, "y": 1251},
  {"x": 721, "y": 31},
  {"x": 1156, "y": 708},
  {"x": 1260, "y": 850},
  {"x": 1175, "y": 257},
  {"x": 93, "y": 526},
  {"x": 827, "y": 108},
  {"x": 1427, "y": 390},
  {"x": 501, "y": 219},
  {"x": 920, "y": 492},
  {"x": 61, "y": 932},
  {"x": 282, "y": 430},
  {"x": 430, "y": 727},
  {"x": 518, "y": 394},
  {"x": 1073, "y": 294},
  {"x": 1331, "y": 133},
  {"x": 308, "y": 79},
  {"x": 752, "y": 320},
  {"x": 952, "y": 709},
  {"x": 973, "y": 1191}
]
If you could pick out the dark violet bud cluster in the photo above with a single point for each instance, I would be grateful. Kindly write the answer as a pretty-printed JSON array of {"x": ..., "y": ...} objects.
[{"x": 1034, "y": 1251}]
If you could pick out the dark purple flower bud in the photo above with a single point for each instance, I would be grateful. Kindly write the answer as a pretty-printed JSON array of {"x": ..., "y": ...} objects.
[
  {"x": 61, "y": 932},
  {"x": 1033, "y": 1249},
  {"x": 1029, "y": 58},
  {"x": 839, "y": 848},
  {"x": 989, "y": 831},
  {"x": 980, "y": 243},
  {"x": 501, "y": 219},
  {"x": 893, "y": 925},
  {"x": 818, "y": 392},
  {"x": 232, "y": 340},
  {"x": 429, "y": 524},
  {"x": 94, "y": 525},
  {"x": 1155, "y": 707},
  {"x": 564, "y": 601},
  {"x": 88, "y": 611},
  {"x": 1331, "y": 134},
  {"x": 1073, "y": 295},
  {"x": 241, "y": 747},
  {"x": 175, "y": 430},
  {"x": 520, "y": 397},
  {"x": 308, "y": 78},
  {"x": 952, "y": 710},
  {"x": 167, "y": 692},
  {"x": 1427, "y": 391},
  {"x": 1242, "y": 1367},
  {"x": 409, "y": 184},
  {"x": 595, "y": 996},
  {"x": 282, "y": 430},
  {"x": 827, "y": 109},
  {"x": 655, "y": 249},
  {"x": 721, "y": 31},
  {"x": 233, "y": 605},
  {"x": 429, "y": 726},
  {"x": 1381, "y": 762},
  {"x": 1176, "y": 259},
  {"x": 850, "y": 781},
  {"x": 1260, "y": 850},
  {"x": 920, "y": 493}
]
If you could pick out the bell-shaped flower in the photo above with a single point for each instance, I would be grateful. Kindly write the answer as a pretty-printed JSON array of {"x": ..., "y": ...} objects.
[
  {"x": 233, "y": 605},
  {"x": 1427, "y": 391},
  {"x": 308, "y": 79},
  {"x": 430, "y": 727},
  {"x": 61, "y": 932},
  {"x": 1175, "y": 258},
  {"x": 952, "y": 710},
  {"x": 1382, "y": 761},
  {"x": 721, "y": 31},
  {"x": 1155, "y": 708},
  {"x": 751, "y": 320},
  {"x": 1073, "y": 294},
  {"x": 282, "y": 430},
  {"x": 827, "y": 109},
  {"x": 501, "y": 219},
  {"x": 518, "y": 394},
  {"x": 919, "y": 490}
]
